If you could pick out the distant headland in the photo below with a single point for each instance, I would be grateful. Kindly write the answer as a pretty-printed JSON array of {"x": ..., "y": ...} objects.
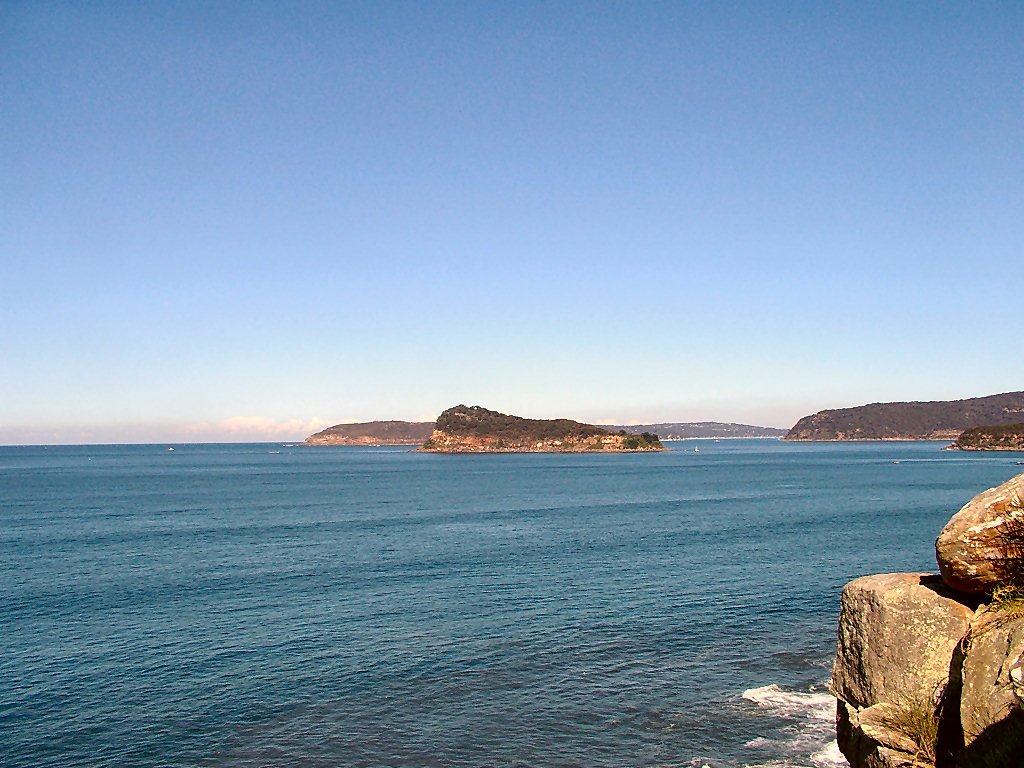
[
  {"x": 472, "y": 429},
  {"x": 936, "y": 420},
  {"x": 1005, "y": 437},
  {"x": 374, "y": 433}
]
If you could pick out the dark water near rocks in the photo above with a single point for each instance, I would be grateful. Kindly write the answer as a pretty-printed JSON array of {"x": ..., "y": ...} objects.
[{"x": 262, "y": 605}]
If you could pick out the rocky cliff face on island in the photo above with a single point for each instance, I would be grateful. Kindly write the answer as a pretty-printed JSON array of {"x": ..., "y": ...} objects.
[
  {"x": 1008, "y": 437},
  {"x": 929, "y": 668},
  {"x": 374, "y": 433},
  {"x": 937, "y": 420},
  {"x": 472, "y": 429}
]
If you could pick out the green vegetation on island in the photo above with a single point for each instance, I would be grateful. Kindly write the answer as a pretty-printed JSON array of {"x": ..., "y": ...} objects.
[
  {"x": 472, "y": 429},
  {"x": 1001, "y": 437}
]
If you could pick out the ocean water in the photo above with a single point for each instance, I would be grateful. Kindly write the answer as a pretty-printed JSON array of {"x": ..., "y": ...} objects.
[{"x": 266, "y": 605}]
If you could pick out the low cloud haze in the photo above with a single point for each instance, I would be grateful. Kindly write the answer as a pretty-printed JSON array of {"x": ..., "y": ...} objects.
[{"x": 235, "y": 429}]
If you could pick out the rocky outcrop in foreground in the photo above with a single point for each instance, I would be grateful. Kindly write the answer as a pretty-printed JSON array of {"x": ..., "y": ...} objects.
[
  {"x": 929, "y": 669},
  {"x": 472, "y": 429}
]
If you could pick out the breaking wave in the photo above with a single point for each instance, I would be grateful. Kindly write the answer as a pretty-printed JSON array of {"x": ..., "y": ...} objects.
[{"x": 805, "y": 735}]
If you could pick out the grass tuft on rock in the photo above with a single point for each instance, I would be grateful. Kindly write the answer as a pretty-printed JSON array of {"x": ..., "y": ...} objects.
[
  {"x": 1007, "y": 598},
  {"x": 1011, "y": 536},
  {"x": 915, "y": 717},
  {"x": 1007, "y": 603}
]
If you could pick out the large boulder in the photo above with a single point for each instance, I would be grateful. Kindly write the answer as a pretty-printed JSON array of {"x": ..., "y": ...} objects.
[
  {"x": 990, "y": 710},
  {"x": 897, "y": 635},
  {"x": 981, "y": 545},
  {"x": 899, "y": 639}
]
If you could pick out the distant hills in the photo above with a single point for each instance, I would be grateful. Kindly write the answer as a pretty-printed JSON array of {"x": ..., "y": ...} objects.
[
  {"x": 472, "y": 429},
  {"x": 936, "y": 420},
  {"x": 933, "y": 420},
  {"x": 691, "y": 429},
  {"x": 374, "y": 433}
]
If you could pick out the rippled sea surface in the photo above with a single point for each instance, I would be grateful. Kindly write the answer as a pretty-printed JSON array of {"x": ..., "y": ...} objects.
[{"x": 266, "y": 605}]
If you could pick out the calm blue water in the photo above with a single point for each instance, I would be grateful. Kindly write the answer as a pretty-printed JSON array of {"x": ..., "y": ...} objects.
[{"x": 262, "y": 605}]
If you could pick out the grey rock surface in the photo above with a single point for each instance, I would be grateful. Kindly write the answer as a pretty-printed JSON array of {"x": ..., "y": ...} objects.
[
  {"x": 897, "y": 635},
  {"x": 991, "y": 664}
]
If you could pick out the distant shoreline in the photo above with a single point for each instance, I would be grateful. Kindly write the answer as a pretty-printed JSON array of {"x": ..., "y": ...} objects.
[
  {"x": 724, "y": 437},
  {"x": 866, "y": 440}
]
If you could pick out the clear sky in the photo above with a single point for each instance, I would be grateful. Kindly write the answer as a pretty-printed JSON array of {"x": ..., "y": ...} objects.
[{"x": 226, "y": 221}]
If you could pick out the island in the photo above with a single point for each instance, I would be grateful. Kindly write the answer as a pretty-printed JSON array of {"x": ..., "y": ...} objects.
[
  {"x": 935, "y": 420},
  {"x": 472, "y": 429},
  {"x": 374, "y": 433},
  {"x": 1003, "y": 437}
]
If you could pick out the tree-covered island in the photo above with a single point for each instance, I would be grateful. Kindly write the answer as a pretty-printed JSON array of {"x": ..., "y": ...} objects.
[{"x": 472, "y": 429}]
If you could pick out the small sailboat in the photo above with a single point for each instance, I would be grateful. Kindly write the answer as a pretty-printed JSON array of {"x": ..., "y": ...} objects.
[{"x": 696, "y": 449}]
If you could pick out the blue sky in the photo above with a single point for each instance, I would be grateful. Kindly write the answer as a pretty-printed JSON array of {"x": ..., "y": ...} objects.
[{"x": 243, "y": 220}]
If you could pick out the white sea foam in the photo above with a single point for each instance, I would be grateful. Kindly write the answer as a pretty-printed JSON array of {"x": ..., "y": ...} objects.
[
  {"x": 809, "y": 742},
  {"x": 821, "y": 706},
  {"x": 829, "y": 756}
]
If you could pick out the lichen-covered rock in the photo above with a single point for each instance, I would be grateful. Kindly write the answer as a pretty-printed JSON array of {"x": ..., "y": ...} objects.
[
  {"x": 990, "y": 711},
  {"x": 868, "y": 741},
  {"x": 897, "y": 635},
  {"x": 973, "y": 550},
  {"x": 875, "y": 724},
  {"x": 919, "y": 674},
  {"x": 899, "y": 639}
]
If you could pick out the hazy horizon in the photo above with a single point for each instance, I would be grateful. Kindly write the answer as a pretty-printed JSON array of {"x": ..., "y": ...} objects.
[
  {"x": 242, "y": 430},
  {"x": 245, "y": 430},
  {"x": 251, "y": 221}
]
